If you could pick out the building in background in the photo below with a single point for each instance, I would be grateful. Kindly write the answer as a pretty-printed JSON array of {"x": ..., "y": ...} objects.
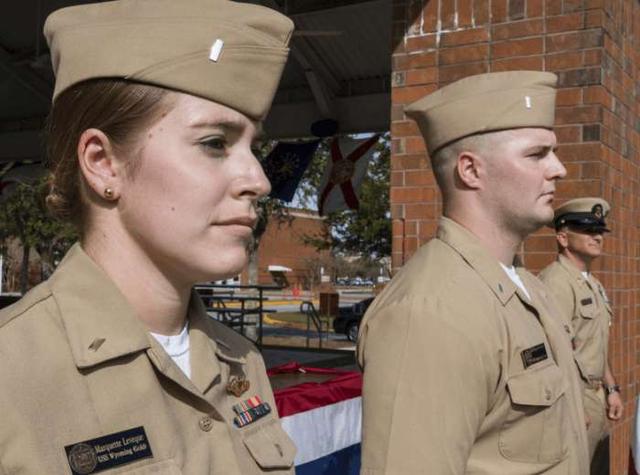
[{"x": 283, "y": 250}]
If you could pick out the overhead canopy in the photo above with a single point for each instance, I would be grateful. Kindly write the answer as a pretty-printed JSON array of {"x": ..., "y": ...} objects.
[
  {"x": 277, "y": 268},
  {"x": 339, "y": 68}
]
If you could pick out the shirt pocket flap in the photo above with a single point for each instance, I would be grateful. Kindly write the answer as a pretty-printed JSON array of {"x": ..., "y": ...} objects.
[
  {"x": 588, "y": 310},
  {"x": 539, "y": 387},
  {"x": 270, "y": 446}
]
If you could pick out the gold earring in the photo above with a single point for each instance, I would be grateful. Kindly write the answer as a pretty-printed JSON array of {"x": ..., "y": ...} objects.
[{"x": 108, "y": 193}]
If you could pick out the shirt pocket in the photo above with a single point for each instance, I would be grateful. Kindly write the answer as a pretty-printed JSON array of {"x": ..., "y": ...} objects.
[
  {"x": 535, "y": 428},
  {"x": 166, "y": 467},
  {"x": 270, "y": 446}
]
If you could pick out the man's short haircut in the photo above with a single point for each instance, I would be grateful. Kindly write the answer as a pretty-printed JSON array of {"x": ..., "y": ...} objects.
[{"x": 444, "y": 159}]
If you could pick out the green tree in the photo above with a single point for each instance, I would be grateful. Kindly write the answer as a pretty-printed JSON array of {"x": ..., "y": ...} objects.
[
  {"x": 366, "y": 231},
  {"x": 24, "y": 217}
]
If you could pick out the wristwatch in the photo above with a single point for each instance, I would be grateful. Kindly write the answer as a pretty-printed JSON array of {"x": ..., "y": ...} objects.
[{"x": 614, "y": 388}]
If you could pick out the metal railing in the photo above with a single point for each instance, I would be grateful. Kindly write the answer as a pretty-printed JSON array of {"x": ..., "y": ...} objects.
[
  {"x": 313, "y": 316},
  {"x": 231, "y": 306}
]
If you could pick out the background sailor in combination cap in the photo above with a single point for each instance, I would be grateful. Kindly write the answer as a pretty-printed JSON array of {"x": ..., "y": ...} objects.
[
  {"x": 113, "y": 365},
  {"x": 580, "y": 227},
  {"x": 465, "y": 368}
]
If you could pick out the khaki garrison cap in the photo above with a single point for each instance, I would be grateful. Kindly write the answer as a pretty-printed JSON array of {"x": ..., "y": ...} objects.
[
  {"x": 230, "y": 53},
  {"x": 583, "y": 213},
  {"x": 485, "y": 103}
]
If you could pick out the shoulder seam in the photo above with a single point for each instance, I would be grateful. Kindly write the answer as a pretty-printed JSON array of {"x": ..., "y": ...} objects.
[{"x": 17, "y": 314}]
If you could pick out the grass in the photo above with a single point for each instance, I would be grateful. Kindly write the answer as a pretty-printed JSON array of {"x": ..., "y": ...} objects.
[{"x": 294, "y": 319}]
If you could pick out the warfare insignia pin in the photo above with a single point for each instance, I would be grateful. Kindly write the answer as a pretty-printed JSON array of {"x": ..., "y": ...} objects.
[
  {"x": 250, "y": 411},
  {"x": 238, "y": 386}
]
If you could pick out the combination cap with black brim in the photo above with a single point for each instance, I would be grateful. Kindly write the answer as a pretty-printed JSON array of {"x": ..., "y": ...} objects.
[
  {"x": 583, "y": 214},
  {"x": 485, "y": 103},
  {"x": 230, "y": 53}
]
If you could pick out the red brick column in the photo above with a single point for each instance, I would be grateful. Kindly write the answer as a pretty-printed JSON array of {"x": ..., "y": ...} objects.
[{"x": 594, "y": 47}]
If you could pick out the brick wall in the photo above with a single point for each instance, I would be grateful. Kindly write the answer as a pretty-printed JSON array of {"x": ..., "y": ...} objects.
[
  {"x": 282, "y": 244},
  {"x": 593, "y": 45}
]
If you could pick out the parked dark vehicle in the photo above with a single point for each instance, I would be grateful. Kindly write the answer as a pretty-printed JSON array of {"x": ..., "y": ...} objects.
[{"x": 348, "y": 319}]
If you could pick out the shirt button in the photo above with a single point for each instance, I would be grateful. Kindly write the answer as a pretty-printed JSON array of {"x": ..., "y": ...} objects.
[
  {"x": 547, "y": 394},
  {"x": 206, "y": 423}
]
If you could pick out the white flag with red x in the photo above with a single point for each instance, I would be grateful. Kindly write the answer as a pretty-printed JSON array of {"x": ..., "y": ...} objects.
[{"x": 345, "y": 171}]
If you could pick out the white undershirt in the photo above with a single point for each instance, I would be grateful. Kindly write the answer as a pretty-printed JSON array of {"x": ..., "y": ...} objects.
[
  {"x": 513, "y": 275},
  {"x": 177, "y": 347},
  {"x": 585, "y": 275}
]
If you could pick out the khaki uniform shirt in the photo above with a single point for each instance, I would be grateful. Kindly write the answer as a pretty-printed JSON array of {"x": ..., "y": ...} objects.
[
  {"x": 463, "y": 374},
  {"x": 586, "y": 308},
  {"x": 76, "y": 365}
]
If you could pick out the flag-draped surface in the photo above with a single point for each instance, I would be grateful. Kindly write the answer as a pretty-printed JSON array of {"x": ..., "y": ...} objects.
[{"x": 323, "y": 419}]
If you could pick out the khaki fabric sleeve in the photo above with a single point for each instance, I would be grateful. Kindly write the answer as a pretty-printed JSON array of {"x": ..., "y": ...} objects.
[
  {"x": 561, "y": 294},
  {"x": 429, "y": 377}
]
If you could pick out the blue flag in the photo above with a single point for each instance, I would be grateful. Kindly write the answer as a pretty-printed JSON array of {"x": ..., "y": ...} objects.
[{"x": 285, "y": 165}]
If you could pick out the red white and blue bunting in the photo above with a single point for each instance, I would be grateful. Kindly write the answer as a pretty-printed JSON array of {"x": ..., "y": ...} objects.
[{"x": 324, "y": 420}]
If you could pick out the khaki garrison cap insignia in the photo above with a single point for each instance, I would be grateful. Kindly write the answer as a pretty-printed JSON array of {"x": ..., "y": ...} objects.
[
  {"x": 583, "y": 213},
  {"x": 485, "y": 103},
  {"x": 228, "y": 52}
]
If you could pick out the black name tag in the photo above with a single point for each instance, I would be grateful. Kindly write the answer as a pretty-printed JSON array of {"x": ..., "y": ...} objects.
[
  {"x": 586, "y": 301},
  {"x": 102, "y": 453},
  {"x": 534, "y": 355}
]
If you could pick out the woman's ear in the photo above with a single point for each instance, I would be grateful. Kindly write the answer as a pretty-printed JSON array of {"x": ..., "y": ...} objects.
[
  {"x": 469, "y": 169},
  {"x": 102, "y": 170}
]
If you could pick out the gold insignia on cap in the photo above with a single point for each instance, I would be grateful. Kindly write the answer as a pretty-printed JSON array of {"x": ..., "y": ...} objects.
[
  {"x": 238, "y": 385},
  {"x": 597, "y": 211},
  {"x": 596, "y": 206}
]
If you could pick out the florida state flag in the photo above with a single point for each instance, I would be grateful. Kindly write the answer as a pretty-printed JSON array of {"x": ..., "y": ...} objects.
[{"x": 344, "y": 173}]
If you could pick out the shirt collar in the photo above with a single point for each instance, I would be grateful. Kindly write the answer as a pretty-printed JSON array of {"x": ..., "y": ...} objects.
[
  {"x": 99, "y": 322},
  {"x": 486, "y": 266},
  {"x": 571, "y": 268},
  {"x": 101, "y": 325}
]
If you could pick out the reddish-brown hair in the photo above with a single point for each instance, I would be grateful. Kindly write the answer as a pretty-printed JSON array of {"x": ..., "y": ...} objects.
[{"x": 119, "y": 108}]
